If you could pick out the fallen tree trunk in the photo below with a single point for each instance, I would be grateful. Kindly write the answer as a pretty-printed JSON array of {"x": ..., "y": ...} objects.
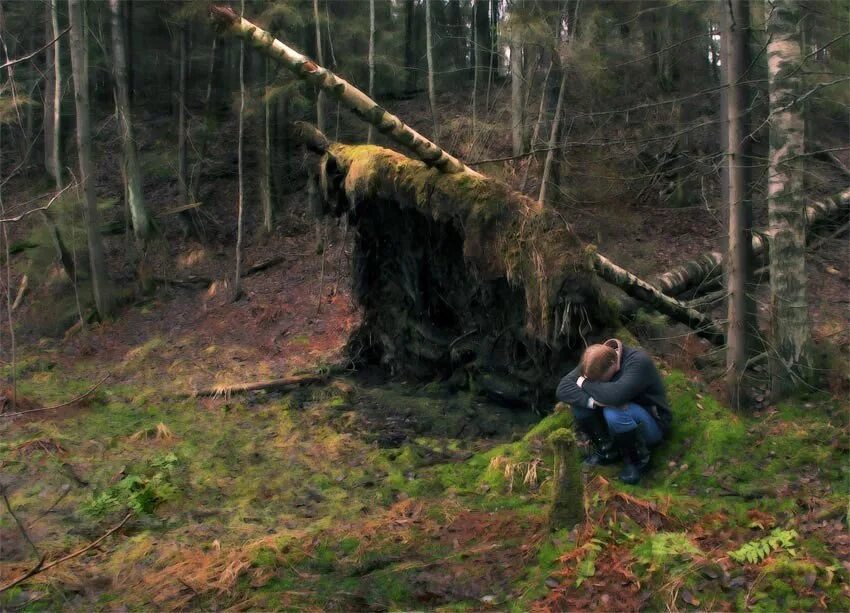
[
  {"x": 708, "y": 265},
  {"x": 359, "y": 103},
  {"x": 276, "y": 385},
  {"x": 643, "y": 291},
  {"x": 443, "y": 253}
]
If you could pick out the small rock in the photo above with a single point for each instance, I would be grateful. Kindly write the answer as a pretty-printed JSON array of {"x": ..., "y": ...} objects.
[
  {"x": 488, "y": 599},
  {"x": 552, "y": 583},
  {"x": 689, "y": 598}
]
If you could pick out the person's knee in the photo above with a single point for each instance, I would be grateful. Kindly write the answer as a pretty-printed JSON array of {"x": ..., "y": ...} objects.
[{"x": 618, "y": 420}]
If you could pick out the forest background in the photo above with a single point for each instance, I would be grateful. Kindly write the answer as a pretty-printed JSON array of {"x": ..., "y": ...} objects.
[{"x": 159, "y": 226}]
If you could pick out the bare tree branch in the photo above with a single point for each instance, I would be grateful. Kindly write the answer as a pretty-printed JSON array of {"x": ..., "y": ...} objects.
[
  {"x": 41, "y": 208},
  {"x": 36, "y": 52}
]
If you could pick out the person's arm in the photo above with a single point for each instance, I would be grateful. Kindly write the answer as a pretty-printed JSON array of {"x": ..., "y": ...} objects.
[
  {"x": 568, "y": 391},
  {"x": 635, "y": 376}
]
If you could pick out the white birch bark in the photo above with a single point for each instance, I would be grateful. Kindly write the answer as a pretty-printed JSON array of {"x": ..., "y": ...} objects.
[{"x": 790, "y": 332}]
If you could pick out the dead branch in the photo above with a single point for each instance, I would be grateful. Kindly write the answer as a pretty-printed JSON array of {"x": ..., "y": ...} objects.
[
  {"x": 25, "y": 280},
  {"x": 180, "y": 209},
  {"x": 64, "y": 404},
  {"x": 41, "y": 208},
  {"x": 41, "y": 567},
  {"x": 36, "y": 52},
  {"x": 282, "y": 385}
]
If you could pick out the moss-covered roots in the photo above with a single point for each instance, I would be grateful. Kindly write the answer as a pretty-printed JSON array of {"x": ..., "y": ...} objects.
[{"x": 460, "y": 275}]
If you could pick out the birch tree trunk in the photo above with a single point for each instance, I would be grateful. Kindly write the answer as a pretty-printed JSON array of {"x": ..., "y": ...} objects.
[
  {"x": 132, "y": 170},
  {"x": 99, "y": 280},
  {"x": 432, "y": 100},
  {"x": 790, "y": 352},
  {"x": 358, "y": 102},
  {"x": 741, "y": 313},
  {"x": 371, "y": 60},
  {"x": 320, "y": 97},
  {"x": 710, "y": 265}
]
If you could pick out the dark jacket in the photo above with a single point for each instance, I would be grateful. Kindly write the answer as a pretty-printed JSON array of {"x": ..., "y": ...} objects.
[{"x": 637, "y": 381}]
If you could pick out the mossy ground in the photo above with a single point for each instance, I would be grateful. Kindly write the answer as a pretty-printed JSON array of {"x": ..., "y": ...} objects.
[{"x": 353, "y": 495}]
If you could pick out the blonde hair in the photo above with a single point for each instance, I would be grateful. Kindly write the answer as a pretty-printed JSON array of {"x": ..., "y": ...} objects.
[{"x": 597, "y": 360}]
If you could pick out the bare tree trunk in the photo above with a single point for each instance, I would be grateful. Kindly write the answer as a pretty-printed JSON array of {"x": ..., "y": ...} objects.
[
  {"x": 432, "y": 99},
  {"x": 320, "y": 97},
  {"x": 371, "y": 60},
  {"x": 553, "y": 141},
  {"x": 475, "y": 67},
  {"x": 132, "y": 169},
  {"x": 518, "y": 88},
  {"x": 266, "y": 156},
  {"x": 237, "y": 279},
  {"x": 535, "y": 135},
  {"x": 790, "y": 347},
  {"x": 99, "y": 280},
  {"x": 409, "y": 45},
  {"x": 198, "y": 166},
  {"x": 53, "y": 130},
  {"x": 182, "y": 163},
  {"x": 741, "y": 314}
]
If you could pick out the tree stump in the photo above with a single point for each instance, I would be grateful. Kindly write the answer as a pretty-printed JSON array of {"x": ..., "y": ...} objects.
[{"x": 567, "y": 489}]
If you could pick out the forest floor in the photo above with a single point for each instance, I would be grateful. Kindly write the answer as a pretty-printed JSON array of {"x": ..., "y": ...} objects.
[{"x": 363, "y": 493}]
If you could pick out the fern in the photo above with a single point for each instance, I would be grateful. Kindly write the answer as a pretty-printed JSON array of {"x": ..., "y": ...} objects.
[{"x": 756, "y": 551}]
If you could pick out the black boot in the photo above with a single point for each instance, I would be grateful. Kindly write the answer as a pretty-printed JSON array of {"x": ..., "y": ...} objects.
[
  {"x": 632, "y": 445},
  {"x": 604, "y": 451}
]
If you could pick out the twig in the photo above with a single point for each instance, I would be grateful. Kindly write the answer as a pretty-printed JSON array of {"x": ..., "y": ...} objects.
[
  {"x": 67, "y": 488},
  {"x": 21, "y": 525},
  {"x": 41, "y": 208},
  {"x": 36, "y": 52},
  {"x": 64, "y": 404},
  {"x": 41, "y": 567}
]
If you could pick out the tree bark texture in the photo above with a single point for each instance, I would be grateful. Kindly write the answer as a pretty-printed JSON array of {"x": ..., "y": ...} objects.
[
  {"x": 741, "y": 311},
  {"x": 359, "y": 103},
  {"x": 518, "y": 102},
  {"x": 371, "y": 60},
  {"x": 100, "y": 283},
  {"x": 553, "y": 141},
  {"x": 709, "y": 265},
  {"x": 567, "y": 508},
  {"x": 429, "y": 54},
  {"x": 790, "y": 336},
  {"x": 237, "y": 276},
  {"x": 265, "y": 157},
  {"x": 132, "y": 169},
  {"x": 182, "y": 124},
  {"x": 320, "y": 95}
]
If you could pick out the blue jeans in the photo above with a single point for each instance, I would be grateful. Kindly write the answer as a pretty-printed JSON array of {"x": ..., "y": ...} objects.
[{"x": 624, "y": 419}]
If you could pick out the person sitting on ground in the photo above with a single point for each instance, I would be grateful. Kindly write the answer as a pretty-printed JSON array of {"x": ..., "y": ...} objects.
[{"x": 618, "y": 401}]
